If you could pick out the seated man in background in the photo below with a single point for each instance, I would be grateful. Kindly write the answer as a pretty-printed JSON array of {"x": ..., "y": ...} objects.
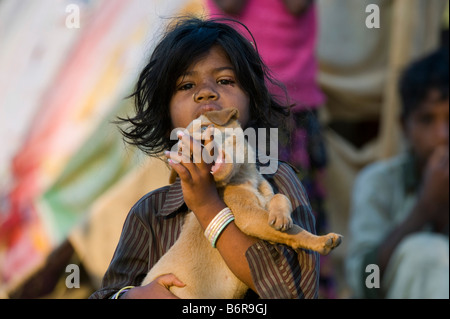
[{"x": 400, "y": 207}]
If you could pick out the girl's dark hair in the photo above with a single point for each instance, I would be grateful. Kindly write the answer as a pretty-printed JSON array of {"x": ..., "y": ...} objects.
[
  {"x": 430, "y": 72},
  {"x": 186, "y": 40}
]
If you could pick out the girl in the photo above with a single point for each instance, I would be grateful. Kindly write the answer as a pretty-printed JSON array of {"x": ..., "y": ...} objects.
[
  {"x": 197, "y": 67},
  {"x": 286, "y": 32}
]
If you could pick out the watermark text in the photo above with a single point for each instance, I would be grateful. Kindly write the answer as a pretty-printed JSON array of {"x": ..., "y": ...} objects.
[
  {"x": 73, "y": 279},
  {"x": 373, "y": 279},
  {"x": 373, "y": 19},
  {"x": 230, "y": 143},
  {"x": 73, "y": 17}
]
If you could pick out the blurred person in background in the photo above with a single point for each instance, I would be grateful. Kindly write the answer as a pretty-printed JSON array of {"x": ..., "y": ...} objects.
[
  {"x": 400, "y": 207},
  {"x": 286, "y": 35}
]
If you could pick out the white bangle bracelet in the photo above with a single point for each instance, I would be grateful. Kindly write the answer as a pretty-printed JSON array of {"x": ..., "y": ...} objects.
[
  {"x": 118, "y": 294},
  {"x": 218, "y": 224}
]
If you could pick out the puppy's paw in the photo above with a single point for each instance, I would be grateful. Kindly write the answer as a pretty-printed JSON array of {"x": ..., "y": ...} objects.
[
  {"x": 280, "y": 208},
  {"x": 330, "y": 241},
  {"x": 280, "y": 221}
]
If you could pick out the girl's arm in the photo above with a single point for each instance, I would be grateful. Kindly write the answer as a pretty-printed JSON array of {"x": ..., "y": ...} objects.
[{"x": 273, "y": 271}]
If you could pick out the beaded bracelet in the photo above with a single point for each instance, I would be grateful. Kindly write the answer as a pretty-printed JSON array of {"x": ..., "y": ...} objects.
[
  {"x": 118, "y": 294},
  {"x": 218, "y": 224}
]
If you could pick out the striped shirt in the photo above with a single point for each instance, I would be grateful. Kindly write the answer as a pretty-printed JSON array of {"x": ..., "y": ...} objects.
[{"x": 154, "y": 224}]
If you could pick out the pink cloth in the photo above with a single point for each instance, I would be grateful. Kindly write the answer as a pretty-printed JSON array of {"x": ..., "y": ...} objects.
[{"x": 287, "y": 45}]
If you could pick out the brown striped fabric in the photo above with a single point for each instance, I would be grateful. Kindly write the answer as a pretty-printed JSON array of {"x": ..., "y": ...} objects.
[{"x": 154, "y": 224}]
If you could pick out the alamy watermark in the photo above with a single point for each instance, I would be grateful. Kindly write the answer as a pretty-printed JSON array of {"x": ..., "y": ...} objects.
[
  {"x": 230, "y": 143},
  {"x": 373, "y": 19},
  {"x": 373, "y": 279},
  {"x": 74, "y": 16},
  {"x": 73, "y": 279}
]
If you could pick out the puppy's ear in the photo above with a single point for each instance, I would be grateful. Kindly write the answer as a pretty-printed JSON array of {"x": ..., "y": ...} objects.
[
  {"x": 223, "y": 117},
  {"x": 173, "y": 176}
]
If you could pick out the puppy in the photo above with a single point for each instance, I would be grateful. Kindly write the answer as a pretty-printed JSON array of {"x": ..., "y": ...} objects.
[{"x": 258, "y": 212}]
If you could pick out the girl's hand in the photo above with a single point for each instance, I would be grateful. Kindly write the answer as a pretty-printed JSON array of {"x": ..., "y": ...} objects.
[
  {"x": 194, "y": 168},
  {"x": 157, "y": 289},
  {"x": 201, "y": 196}
]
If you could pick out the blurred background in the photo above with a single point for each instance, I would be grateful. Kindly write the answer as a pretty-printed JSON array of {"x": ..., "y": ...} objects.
[{"x": 67, "y": 180}]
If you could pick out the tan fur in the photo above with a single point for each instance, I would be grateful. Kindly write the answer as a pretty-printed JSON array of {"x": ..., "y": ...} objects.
[{"x": 258, "y": 213}]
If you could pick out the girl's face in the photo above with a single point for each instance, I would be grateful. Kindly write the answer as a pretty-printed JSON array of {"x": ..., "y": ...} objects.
[{"x": 209, "y": 84}]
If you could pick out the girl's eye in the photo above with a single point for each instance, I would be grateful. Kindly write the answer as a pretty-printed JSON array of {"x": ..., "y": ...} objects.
[
  {"x": 225, "y": 82},
  {"x": 186, "y": 87}
]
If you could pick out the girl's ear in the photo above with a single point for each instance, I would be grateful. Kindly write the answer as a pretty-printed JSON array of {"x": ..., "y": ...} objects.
[
  {"x": 223, "y": 117},
  {"x": 173, "y": 176}
]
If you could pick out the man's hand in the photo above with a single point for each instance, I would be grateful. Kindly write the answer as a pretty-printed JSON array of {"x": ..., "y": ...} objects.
[
  {"x": 436, "y": 176},
  {"x": 435, "y": 188},
  {"x": 157, "y": 289}
]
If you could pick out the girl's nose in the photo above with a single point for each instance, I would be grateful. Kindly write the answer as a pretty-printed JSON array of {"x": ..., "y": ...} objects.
[{"x": 206, "y": 93}]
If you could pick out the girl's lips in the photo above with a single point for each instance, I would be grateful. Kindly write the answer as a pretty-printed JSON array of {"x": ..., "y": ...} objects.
[{"x": 207, "y": 108}]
